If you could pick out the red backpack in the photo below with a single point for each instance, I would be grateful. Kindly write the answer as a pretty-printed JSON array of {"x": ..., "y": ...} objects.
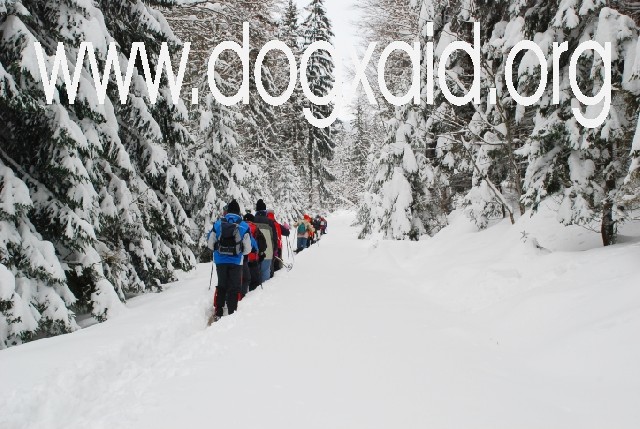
[{"x": 259, "y": 237}]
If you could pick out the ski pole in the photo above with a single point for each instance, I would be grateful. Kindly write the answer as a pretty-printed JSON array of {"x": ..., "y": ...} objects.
[
  {"x": 286, "y": 265},
  {"x": 291, "y": 254},
  {"x": 211, "y": 276}
]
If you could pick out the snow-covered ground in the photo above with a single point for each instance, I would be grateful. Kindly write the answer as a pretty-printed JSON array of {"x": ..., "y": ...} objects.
[{"x": 465, "y": 330}]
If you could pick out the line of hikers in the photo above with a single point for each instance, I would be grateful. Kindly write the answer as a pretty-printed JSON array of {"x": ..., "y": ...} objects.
[
  {"x": 309, "y": 231},
  {"x": 248, "y": 250}
]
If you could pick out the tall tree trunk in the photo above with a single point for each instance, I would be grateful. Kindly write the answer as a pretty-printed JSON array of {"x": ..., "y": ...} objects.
[
  {"x": 608, "y": 226},
  {"x": 513, "y": 165},
  {"x": 310, "y": 160}
]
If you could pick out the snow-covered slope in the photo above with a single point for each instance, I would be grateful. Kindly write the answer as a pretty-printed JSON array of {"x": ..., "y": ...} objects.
[{"x": 465, "y": 330}]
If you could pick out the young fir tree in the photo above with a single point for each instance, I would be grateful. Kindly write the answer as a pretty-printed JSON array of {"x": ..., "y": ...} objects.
[
  {"x": 405, "y": 194},
  {"x": 320, "y": 144},
  {"x": 368, "y": 138}
]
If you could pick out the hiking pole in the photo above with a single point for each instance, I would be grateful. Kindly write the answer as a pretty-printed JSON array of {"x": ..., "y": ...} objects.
[
  {"x": 211, "y": 276},
  {"x": 291, "y": 254},
  {"x": 284, "y": 264}
]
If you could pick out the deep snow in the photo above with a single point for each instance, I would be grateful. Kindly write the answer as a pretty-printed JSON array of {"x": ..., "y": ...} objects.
[{"x": 465, "y": 330}]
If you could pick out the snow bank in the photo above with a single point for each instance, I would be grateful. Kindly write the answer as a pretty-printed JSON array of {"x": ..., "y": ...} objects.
[{"x": 526, "y": 326}]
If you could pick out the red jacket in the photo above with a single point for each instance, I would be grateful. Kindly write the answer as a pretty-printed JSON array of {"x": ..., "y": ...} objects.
[
  {"x": 311, "y": 229},
  {"x": 278, "y": 228},
  {"x": 253, "y": 228}
]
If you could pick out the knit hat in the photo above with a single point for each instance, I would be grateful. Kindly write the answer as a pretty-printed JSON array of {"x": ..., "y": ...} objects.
[
  {"x": 234, "y": 207},
  {"x": 249, "y": 217},
  {"x": 260, "y": 205}
]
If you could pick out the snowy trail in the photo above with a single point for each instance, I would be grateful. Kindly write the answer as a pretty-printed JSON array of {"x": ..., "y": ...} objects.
[{"x": 360, "y": 334}]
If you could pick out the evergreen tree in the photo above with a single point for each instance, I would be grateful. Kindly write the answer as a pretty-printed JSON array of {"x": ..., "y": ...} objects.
[
  {"x": 258, "y": 162},
  {"x": 218, "y": 167},
  {"x": 33, "y": 287},
  {"x": 320, "y": 144},
  {"x": 405, "y": 194},
  {"x": 364, "y": 132},
  {"x": 479, "y": 141},
  {"x": 288, "y": 189},
  {"x": 585, "y": 168},
  {"x": 105, "y": 183}
]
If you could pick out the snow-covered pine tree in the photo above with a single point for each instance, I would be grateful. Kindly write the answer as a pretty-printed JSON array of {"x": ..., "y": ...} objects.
[
  {"x": 105, "y": 181},
  {"x": 345, "y": 190},
  {"x": 585, "y": 168},
  {"x": 402, "y": 181},
  {"x": 364, "y": 128},
  {"x": 209, "y": 169},
  {"x": 356, "y": 142},
  {"x": 216, "y": 170},
  {"x": 476, "y": 151},
  {"x": 289, "y": 190},
  {"x": 33, "y": 287},
  {"x": 292, "y": 128},
  {"x": 629, "y": 199},
  {"x": 257, "y": 133},
  {"x": 254, "y": 165},
  {"x": 478, "y": 140},
  {"x": 320, "y": 144},
  {"x": 405, "y": 194},
  {"x": 47, "y": 148},
  {"x": 369, "y": 129}
]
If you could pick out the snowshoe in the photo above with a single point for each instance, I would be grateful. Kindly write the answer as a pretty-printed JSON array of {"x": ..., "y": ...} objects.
[{"x": 212, "y": 319}]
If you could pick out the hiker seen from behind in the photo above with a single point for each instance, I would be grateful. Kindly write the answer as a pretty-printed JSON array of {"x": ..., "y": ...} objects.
[{"x": 231, "y": 241}]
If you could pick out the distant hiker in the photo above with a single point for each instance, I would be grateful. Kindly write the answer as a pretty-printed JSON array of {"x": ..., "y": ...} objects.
[
  {"x": 286, "y": 232},
  {"x": 310, "y": 230},
  {"x": 303, "y": 228},
  {"x": 276, "y": 252},
  {"x": 268, "y": 228},
  {"x": 286, "y": 229},
  {"x": 254, "y": 258},
  {"x": 280, "y": 231},
  {"x": 230, "y": 240},
  {"x": 323, "y": 226},
  {"x": 246, "y": 271},
  {"x": 317, "y": 225}
]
